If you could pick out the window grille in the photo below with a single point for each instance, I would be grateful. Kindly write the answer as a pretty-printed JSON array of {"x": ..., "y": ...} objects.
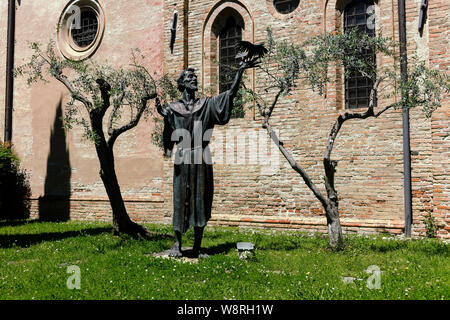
[
  {"x": 229, "y": 38},
  {"x": 357, "y": 86},
  {"x": 84, "y": 36}
]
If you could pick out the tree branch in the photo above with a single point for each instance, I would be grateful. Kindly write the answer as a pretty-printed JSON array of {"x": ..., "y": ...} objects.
[
  {"x": 294, "y": 165},
  {"x": 117, "y": 104},
  {"x": 269, "y": 112},
  {"x": 329, "y": 165},
  {"x": 105, "y": 89},
  {"x": 75, "y": 94},
  {"x": 351, "y": 115},
  {"x": 385, "y": 109},
  {"x": 118, "y": 131}
]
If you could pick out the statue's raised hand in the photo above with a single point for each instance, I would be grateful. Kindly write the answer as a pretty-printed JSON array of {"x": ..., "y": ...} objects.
[
  {"x": 248, "y": 64},
  {"x": 159, "y": 108}
]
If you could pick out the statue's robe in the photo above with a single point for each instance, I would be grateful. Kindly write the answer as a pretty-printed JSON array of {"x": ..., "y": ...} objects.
[{"x": 190, "y": 127}]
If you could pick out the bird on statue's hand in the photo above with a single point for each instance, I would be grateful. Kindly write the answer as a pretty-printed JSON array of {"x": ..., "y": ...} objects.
[{"x": 248, "y": 51}]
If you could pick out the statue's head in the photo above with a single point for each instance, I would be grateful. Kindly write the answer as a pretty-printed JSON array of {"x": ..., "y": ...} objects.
[{"x": 187, "y": 80}]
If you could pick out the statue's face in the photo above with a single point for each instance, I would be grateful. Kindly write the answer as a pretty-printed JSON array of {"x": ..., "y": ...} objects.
[{"x": 190, "y": 81}]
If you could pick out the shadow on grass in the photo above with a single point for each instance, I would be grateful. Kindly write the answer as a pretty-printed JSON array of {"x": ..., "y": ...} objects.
[
  {"x": 151, "y": 236},
  {"x": 429, "y": 248},
  {"x": 221, "y": 248},
  {"x": 355, "y": 246},
  {"x": 14, "y": 223},
  {"x": 287, "y": 244},
  {"x": 25, "y": 240},
  {"x": 155, "y": 236}
]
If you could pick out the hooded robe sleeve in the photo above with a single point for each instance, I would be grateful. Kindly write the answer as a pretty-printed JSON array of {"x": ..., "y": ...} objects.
[{"x": 220, "y": 108}]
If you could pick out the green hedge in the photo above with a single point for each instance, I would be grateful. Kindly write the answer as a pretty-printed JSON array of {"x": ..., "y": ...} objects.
[{"x": 15, "y": 190}]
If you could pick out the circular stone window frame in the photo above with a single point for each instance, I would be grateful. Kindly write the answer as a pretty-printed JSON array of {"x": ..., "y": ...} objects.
[
  {"x": 67, "y": 46},
  {"x": 281, "y": 16}
]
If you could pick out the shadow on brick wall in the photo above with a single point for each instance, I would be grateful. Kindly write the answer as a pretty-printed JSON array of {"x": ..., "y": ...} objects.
[{"x": 55, "y": 204}]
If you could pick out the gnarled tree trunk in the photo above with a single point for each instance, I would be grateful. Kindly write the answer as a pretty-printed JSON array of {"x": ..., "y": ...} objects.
[
  {"x": 121, "y": 220},
  {"x": 334, "y": 227},
  {"x": 330, "y": 202}
]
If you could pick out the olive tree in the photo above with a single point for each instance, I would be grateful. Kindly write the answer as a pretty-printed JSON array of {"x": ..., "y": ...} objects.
[
  {"x": 106, "y": 102},
  {"x": 287, "y": 66}
]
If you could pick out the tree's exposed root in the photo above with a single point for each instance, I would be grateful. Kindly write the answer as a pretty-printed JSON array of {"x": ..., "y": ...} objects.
[
  {"x": 134, "y": 230},
  {"x": 336, "y": 247}
]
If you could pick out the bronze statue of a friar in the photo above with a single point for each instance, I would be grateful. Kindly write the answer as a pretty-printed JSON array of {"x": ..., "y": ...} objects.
[{"x": 188, "y": 122}]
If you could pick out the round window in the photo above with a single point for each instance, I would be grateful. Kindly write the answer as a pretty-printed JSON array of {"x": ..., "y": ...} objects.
[
  {"x": 80, "y": 29},
  {"x": 285, "y": 6}
]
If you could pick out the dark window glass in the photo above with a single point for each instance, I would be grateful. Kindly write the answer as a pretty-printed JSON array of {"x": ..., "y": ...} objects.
[
  {"x": 229, "y": 37},
  {"x": 85, "y": 35},
  {"x": 286, "y": 6},
  {"x": 357, "y": 87}
]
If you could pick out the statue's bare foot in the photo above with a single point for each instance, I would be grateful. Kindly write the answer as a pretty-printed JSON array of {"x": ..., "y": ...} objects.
[{"x": 175, "y": 251}]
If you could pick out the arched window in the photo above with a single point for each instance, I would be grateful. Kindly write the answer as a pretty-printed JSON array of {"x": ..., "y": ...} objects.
[
  {"x": 224, "y": 28},
  {"x": 230, "y": 35},
  {"x": 359, "y": 14}
]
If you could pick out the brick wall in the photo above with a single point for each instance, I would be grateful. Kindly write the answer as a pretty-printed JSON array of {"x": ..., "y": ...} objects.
[
  {"x": 63, "y": 168},
  {"x": 98, "y": 209},
  {"x": 369, "y": 175},
  {"x": 439, "y": 53},
  {"x": 370, "y": 170}
]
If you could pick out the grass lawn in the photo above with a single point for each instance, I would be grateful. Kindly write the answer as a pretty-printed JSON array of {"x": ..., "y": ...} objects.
[{"x": 34, "y": 257}]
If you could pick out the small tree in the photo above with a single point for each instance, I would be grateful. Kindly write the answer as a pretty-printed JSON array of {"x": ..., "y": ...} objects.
[
  {"x": 15, "y": 191},
  {"x": 286, "y": 65},
  {"x": 98, "y": 88}
]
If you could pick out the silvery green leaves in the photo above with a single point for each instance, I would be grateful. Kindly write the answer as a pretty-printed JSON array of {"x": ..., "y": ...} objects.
[
  {"x": 312, "y": 59},
  {"x": 281, "y": 63},
  {"x": 33, "y": 68},
  {"x": 121, "y": 94},
  {"x": 127, "y": 87},
  {"x": 167, "y": 91},
  {"x": 425, "y": 87},
  {"x": 310, "y": 62},
  {"x": 329, "y": 58}
]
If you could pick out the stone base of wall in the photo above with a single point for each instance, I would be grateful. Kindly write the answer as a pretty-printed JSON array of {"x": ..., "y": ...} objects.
[
  {"x": 142, "y": 211},
  {"x": 312, "y": 224},
  {"x": 61, "y": 209}
]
